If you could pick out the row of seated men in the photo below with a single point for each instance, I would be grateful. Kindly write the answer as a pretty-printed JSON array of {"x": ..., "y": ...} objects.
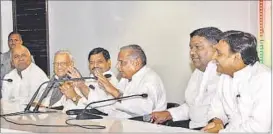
[{"x": 229, "y": 91}]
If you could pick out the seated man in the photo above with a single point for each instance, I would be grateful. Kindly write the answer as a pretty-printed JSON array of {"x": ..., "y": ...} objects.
[
  {"x": 90, "y": 90},
  {"x": 243, "y": 98},
  {"x": 62, "y": 62},
  {"x": 14, "y": 39},
  {"x": 137, "y": 78},
  {"x": 201, "y": 86},
  {"x": 26, "y": 76}
]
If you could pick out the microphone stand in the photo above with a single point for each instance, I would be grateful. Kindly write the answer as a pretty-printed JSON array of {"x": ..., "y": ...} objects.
[
  {"x": 29, "y": 104},
  {"x": 85, "y": 115},
  {"x": 45, "y": 93}
]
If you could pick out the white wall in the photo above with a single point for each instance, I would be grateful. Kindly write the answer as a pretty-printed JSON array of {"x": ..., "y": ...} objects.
[
  {"x": 162, "y": 28},
  {"x": 6, "y": 23}
]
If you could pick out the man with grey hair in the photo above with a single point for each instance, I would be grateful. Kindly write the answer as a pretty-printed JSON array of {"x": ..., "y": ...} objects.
[
  {"x": 137, "y": 78},
  {"x": 63, "y": 62},
  {"x": 26, "y": 77}
]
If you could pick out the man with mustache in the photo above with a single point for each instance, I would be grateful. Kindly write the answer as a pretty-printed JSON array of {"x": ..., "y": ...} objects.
[
  {"x": 90, "y": 90},
  {"x": 243, "y": 99},
  {"x": 201, "y": 86},
  {"x": 14, "y": 39},
  {"x": 26, "y": 77}
]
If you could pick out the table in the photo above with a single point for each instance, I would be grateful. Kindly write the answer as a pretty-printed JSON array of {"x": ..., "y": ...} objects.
[{"x": 59, "y": 118}]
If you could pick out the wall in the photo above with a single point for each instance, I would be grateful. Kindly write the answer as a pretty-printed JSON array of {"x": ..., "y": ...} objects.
[
  {"x": 6, "y": 23},
  {"x": 162, "y": 28}
]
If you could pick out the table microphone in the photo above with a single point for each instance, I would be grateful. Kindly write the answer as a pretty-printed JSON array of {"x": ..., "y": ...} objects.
[
  {"x": 8, "y": 80},
  {"x": 85, "y": 115},
  {"x": 45, "y": 93}
]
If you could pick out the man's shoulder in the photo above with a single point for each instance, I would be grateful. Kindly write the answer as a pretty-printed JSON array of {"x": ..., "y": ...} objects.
[
  {"x": 150, "y": 74},
  {"x": 12, "y": 73},
  {"x": 260, "y": 70},
  {"x": 36, "y": 69},
  {"x": 6, "y": 55}
]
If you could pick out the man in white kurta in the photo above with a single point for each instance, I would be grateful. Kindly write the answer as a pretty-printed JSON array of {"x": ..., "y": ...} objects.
[
  {"x": 198, "y": 95},
  {"x": 201, "y": 87},
  {"x": 137, "y": 78},
  {"x": 26, "y": 77},
  {"x": 243, "y": 100},
  {"x": 144, "y": 81}
]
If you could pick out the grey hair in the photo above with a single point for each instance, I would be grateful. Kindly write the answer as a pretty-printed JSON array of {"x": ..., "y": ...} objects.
[
  {"x": 65, "y": 52},
  {"x": 137, "y": 52}
]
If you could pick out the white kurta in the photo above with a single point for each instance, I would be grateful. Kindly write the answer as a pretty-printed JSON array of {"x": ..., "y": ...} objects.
[
  {"x": 244, "y": 101},
  {"x": 198, "y": 95},
  {"x": 96, "y": 94},
  {"x": 22, "y": 89},
  {"x": 144, "y": 81}
]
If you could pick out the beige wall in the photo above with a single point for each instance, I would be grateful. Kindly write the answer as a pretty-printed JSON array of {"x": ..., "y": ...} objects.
[{"x": 162, "y": 28}]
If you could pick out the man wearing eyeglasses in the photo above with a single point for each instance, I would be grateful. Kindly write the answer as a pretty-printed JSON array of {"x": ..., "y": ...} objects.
[
  {"x": 63, "y": 61},
  {"x": 26, "y": 77}
]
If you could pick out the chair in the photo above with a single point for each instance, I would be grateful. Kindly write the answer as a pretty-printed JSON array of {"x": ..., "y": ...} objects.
[{"x": 171, "y": 105}]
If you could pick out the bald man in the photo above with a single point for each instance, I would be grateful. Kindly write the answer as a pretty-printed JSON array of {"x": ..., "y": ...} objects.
[{"x": 26, "y": 77}]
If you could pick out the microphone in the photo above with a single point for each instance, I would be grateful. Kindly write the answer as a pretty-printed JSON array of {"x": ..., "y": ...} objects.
[
  {"x": 34, "y": 96},
  {"x": 106, "y": 76},
  {"x": 45, "y": 93},
  {"x": 8, "y": 80},
  {"x": 85, "y": 115},
  {"x": 29, "y": 104},
  {"x": 96, "y": 78},
  {"x": 91, "y": 86}
]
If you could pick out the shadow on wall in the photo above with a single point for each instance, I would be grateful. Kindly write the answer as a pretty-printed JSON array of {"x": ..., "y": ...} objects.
[{"x": 192, "y": 66}]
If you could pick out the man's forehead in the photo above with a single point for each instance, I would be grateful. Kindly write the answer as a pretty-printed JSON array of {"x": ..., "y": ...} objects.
[
  {"x": 199, "y": 40},
  {"x": 97, "y": 56},
  {"x": 19, "y": 50},
  {"x": 126, "y": 52},
  {"x": 14, "y": 36},
  {"x": 63, "y": 56}
]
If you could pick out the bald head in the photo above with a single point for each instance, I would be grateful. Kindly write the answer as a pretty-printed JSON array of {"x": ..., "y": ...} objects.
[{"x": 21, "y": 57}]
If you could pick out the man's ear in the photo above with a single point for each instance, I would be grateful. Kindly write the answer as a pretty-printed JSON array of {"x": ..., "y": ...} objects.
[
  {"x": 72, "y": 63},
  {"x": 238, "y": 58},
  {"x": 138, "y": 62},
  {"x": 109, "y": 62}
]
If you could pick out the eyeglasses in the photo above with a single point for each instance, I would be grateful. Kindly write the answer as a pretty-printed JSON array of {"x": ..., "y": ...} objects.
[
  {"x": 19, "y": 56},
  {"x": 62, "y": 64}
]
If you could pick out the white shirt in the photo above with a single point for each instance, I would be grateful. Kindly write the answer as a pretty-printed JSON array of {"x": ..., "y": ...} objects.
[
  {"x": 96, "y": 94},
  {"x": 244, "y": 101},
  {"x": 143, "y": 81},
  {"x": 22, "y": 89},
  {"x": 198, "y": 95}
]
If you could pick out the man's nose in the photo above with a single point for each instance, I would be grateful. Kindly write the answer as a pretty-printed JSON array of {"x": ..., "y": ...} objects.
[
  {"x": 96, "y": 64},
  {"x": 192, "y": 51}
]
